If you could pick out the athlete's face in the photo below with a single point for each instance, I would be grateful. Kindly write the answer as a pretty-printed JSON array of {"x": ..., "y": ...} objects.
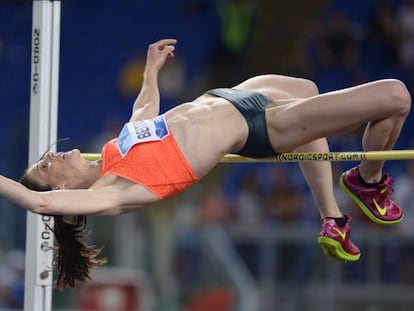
[{"x": 61, "y": 170}]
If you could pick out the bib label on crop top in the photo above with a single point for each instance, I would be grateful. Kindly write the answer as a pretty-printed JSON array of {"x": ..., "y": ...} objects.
[{"x": 134, "y": 133}]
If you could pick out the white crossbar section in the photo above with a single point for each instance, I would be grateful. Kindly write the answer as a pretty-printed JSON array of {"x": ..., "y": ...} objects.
[{"x": 43, "y": 132}]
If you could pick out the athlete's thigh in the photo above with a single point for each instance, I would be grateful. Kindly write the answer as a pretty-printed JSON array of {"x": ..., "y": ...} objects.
[
  {"x": 278, "y": 87},
  {"x": 303, "y": 120}
]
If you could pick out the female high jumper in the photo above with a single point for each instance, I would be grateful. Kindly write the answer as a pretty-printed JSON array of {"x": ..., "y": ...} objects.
[{"x": 157, "y": 156}]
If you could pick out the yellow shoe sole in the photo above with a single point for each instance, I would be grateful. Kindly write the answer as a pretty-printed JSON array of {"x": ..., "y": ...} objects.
[{"x": 333, "y": 249}]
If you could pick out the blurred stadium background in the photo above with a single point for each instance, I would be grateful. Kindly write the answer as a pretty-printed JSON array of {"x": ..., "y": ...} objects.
[{"x": 244, "y": 238}]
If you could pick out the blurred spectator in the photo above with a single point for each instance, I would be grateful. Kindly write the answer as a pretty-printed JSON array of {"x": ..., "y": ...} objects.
[
  {"x": 281, "y": 204},
  {"x": 292, "y": 208},
  {"x": 236, "y": 17},
  {"x": 380, "y": 42},
  {"x": 248, "y": 209},
  {"x": 12, "y": 280},
  {"x": 193, "y": 209},
  {"x": 341, "y": 42},
  {"x": 231, "y": 54},
  {"x": 187, "y": 242},
  {"x": 338, "y": 54},
  {"x": 405, "y": 20},
  {"x": 131, "y": 76},
  {"x": 404, "y": 195},
  {"x": 248, "y": 206}
]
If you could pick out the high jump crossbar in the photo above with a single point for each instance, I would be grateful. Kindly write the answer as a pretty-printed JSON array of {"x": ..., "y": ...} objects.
[{"x": 303, "y": 156}]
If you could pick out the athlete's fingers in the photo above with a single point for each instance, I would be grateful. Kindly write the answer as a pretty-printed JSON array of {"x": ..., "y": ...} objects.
[
  {"x": 161, "y": 44},
  {"x": 168, "y": 49}
]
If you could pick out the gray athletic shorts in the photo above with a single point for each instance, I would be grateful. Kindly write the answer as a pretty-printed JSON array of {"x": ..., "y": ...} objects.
[{"x": 252, "y": 106}]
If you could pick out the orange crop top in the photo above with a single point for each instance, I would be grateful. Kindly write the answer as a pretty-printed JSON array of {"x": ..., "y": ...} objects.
[{"x": 159, "y": 166}]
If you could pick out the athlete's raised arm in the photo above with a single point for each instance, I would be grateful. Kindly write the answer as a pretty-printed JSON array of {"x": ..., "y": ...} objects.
[{"x": 147, "y": 104}]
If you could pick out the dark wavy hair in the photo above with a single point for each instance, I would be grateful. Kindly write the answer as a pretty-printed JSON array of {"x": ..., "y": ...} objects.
[{"x": 73, "y": 258}]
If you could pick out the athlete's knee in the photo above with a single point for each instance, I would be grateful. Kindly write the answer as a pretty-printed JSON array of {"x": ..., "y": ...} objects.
[
  {"x": 399, "y": 96},
  {"x": 309, "y": 87}
]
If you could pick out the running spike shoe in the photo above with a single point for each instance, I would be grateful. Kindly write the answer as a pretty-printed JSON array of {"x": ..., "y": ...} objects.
[
  {"x": 373, "y": 200},
  {"x": 336, "y": 241}
]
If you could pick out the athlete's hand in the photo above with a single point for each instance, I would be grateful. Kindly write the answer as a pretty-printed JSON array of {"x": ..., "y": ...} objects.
[{"x": 158, "y": 53}]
